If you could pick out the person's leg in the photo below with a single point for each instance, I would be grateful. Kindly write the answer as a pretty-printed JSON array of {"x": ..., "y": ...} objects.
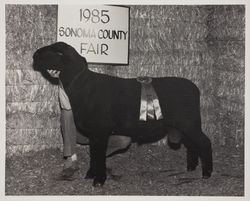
[{"x": 69, "y": 133}]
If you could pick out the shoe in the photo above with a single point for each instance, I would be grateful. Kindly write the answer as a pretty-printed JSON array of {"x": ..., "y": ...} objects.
[{"x": 69, "y": 168}]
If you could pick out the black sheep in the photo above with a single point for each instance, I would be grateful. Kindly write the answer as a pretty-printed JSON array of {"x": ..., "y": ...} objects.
[{"x": 104, "y": 105}]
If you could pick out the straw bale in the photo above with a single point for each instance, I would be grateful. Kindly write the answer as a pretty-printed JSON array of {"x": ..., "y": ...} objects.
[
  {"x": 20, "y": 149},
  {"x": 228, "y": 21},
  {"x": 156, "y": 70},
  {"x": 26, "y": 120},
  {"x": 187, "y": 31},
  {"x": 187, "y": 58},
  {"x": 25, "y": 77},
  {"x": 229, "y": 85},
  {"x": 32, "y": 77},
  {"x": 227, "y": 77},
  {"x": 31, "y": 26},
  {"x": 150, "y": 58},
  {"x": 207, "y": 80},
  {"x": 229, "y": 105},
  {"x": 153, "y": 36},
  {"x": 32, "y": 115},
  {"x": 235, "y": 93},
  {"x": 13, "y": 77},
  {"x": 32, "y": 107},
  {"x": 142, "y": 42},
  {"x": 208, "y": 59},
  {"x": 152, "y": 11},
  {"x": 226, "y": 46},
  {"x": 209, "y": 116},
  {"x": 231, "y": 56},
  {"x": 210, "y": 128},
  {"x": 153, "y": 70},
  {"x": 202, "y": 43},
  {"x": 151, "y": 24},
  {"x": 230, "y": 132},
  {"x": 33, "y": 136},
  {"x": 192, "y": 72},
  {"x": 168, "y": 29},
  {"x": 239, "y": 137},
  {"x": 186, "y": 45},
  {"x": 212, "y": 132},
  {"x": 179, "y": 61},
  {"x": 30, "y": 93},
  {"x": 207, "y": 101},
  {"x": 172, "y": 12}
]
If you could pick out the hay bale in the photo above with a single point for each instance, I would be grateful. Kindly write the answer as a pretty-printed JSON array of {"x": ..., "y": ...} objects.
[
  {"x": 20, "y": 149},
  {"x": 141, "y": 59},
  {"x": 201, "y": 43},
  {"x": 208, "y": 59},
  {"x": 31, "y": 93},
  {"x": 226, "y": 45},
  {"x": 233, "y": 94},
  {"x": 187, "y": 31},
  {"x": 229, "y": 107},
  {"x": 228, "y": 22},
  {"x": 179, "y": 13},
  {"x": 207, "y": 101},
  {"x": 33, "y": 136},
  {"x": 28, "y": 27},
  {"x": 187, "y": 58},
  {"x": 150, "y": 35},
  {"x": 24, "y": 77},
  {"x": 12, "y": 77},
  {"x": 230, "y": 57},
  {"x": 229, "y": 131},
  {"x": 32, "y": 115},
  {"x": 186, "y": 46}
]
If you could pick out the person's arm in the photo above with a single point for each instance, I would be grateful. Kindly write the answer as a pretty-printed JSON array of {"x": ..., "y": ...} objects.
[{"x": 54, "y": 73}]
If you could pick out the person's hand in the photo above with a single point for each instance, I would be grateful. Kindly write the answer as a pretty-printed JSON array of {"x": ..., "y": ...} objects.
[{"x": 54, "y": 73}]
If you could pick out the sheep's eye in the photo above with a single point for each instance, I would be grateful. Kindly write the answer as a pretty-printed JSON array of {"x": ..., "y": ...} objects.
[{"x": 60, "y": 53}]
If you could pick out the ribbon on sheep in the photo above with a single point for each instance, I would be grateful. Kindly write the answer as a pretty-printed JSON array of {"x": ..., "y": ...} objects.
[{"x": 150, "y": 106}]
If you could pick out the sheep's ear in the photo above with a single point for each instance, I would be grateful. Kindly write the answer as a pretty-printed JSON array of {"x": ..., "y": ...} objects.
[{"x": 60, "y": 47}]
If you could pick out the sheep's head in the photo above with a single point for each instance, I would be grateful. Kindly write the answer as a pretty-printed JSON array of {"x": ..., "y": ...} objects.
[{"x": 62, "y": 57}]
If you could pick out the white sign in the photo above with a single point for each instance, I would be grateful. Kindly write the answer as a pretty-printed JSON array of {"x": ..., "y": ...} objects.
[{"x": 98, "y": 33}]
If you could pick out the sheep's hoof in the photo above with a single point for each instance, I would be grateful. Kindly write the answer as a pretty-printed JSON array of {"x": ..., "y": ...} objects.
[
  {"x": 89, "y": 175},
  {"x": 189, "y": 169},
  {"x": 99, "y": 182},
  {"x": 206, "y": 175}
]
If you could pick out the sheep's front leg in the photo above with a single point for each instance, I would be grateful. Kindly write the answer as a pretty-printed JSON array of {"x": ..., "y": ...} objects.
[{"x": 97, "y": 170}]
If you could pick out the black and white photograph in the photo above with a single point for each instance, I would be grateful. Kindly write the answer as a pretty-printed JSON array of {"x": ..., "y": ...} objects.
[{"x": 124, "y": 99}]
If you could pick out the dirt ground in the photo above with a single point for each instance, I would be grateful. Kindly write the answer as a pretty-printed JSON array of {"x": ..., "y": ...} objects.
[{"x": 142, "y": 170}]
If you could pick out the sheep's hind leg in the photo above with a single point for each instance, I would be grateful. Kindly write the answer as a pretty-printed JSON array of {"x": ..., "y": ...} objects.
[{"x": 199, "y": 145}]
